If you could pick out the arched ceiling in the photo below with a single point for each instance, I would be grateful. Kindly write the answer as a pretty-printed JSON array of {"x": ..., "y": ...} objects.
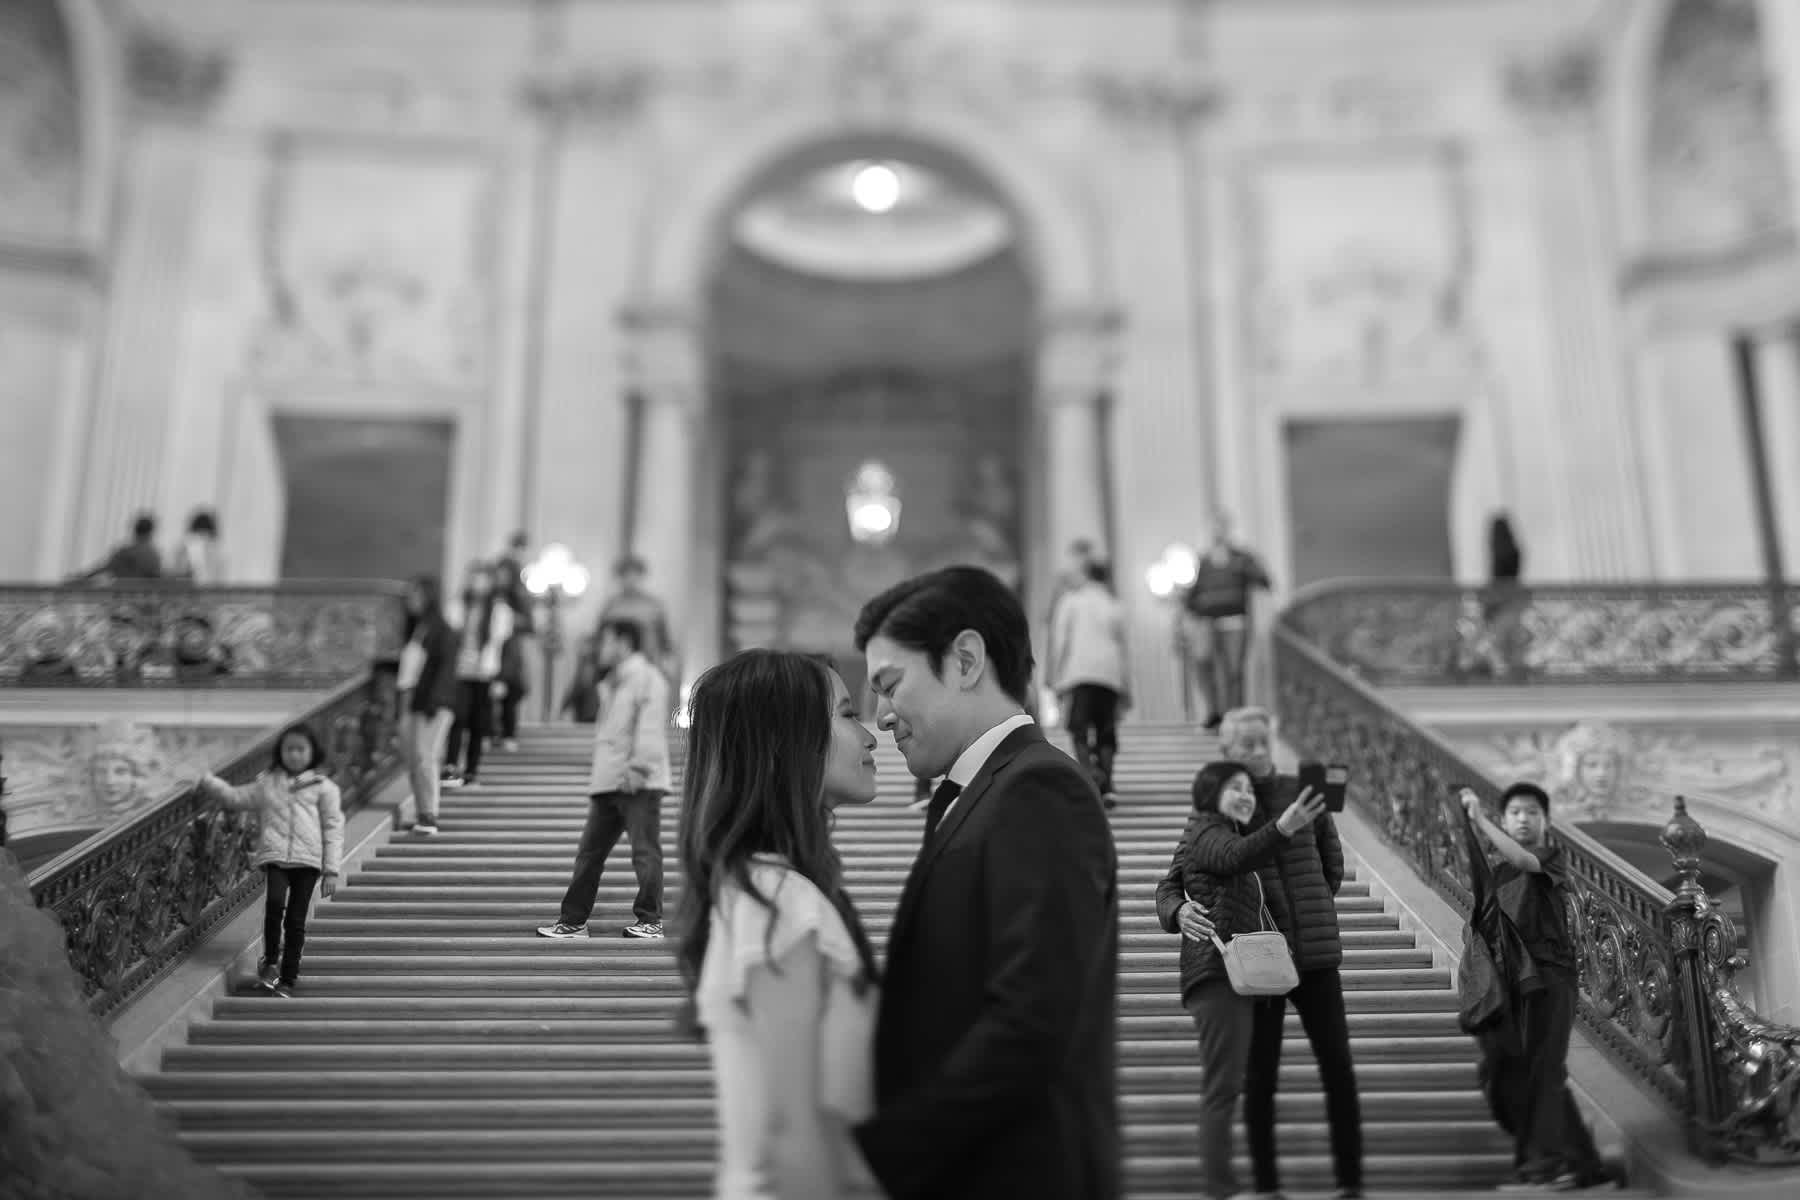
[{"x": 777, "y": 320}]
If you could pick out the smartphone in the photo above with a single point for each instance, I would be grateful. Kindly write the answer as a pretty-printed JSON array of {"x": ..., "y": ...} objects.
[
  {"x": 1312, "y": 775},
  {"x": 1337, "y": 779}
]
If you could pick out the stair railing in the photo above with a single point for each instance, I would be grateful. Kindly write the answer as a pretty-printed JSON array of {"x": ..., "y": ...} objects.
[
  {"x": 1657, "y": 967},
  {"x": 135, "y": 899},
  {"x": 1439, "y": 633},
  {"x": 305, "y": 634}
]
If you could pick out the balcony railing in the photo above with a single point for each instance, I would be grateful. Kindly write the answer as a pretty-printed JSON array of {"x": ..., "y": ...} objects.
[
  {"x": 135, "y": 899},
  {"x": 291, "y": 635},
  {"x": 1657, "y": 971},
  {"x": 1434, "y": 633}
]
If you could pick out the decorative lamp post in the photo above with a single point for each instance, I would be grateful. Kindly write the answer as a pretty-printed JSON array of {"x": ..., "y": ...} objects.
[
  {"x": 1167, "y": 578},
  {"x": 872, "y": 506},
  {"x": 553, "y": 575}
]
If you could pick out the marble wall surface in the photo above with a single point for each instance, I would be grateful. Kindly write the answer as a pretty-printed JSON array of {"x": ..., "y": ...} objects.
[{"x": 484, "y": 214}]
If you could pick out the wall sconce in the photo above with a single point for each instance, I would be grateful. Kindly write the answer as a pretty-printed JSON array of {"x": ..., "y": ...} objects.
[
  {"x": 1173, "y": 572},
  {"x": 872, "y": 507},
  {"x": 554, "y": 575}
]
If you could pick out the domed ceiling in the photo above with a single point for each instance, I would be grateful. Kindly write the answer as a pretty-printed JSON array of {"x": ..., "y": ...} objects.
[{"x": 872, "y": 220}]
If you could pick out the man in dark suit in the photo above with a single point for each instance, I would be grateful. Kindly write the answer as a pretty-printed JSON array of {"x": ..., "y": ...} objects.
[{"x": 996, "y": 1061}]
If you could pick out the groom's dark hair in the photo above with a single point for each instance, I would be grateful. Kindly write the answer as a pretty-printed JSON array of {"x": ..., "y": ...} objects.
[{"x": 926, "y": 612}]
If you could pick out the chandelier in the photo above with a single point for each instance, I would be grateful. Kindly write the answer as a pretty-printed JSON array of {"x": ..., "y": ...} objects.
[{"x": 871, "y": 505}]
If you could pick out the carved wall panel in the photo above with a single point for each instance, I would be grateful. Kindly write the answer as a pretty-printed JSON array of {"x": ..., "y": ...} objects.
[
  {"x": 1601, "y": 771},
  {"x": 1716, "y": 172},
  {"x": 378, "y": 265},
  {"x": 1357, "y": 265},
  {"x": 40, "y": 134},
  {"x": 88, "y": 777}
]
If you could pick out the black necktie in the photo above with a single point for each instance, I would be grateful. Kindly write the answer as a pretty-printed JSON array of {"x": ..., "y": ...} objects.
[{"x": 940, "y": 800}]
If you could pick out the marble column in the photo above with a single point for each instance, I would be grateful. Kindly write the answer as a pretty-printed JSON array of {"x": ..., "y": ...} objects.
[
  {"x": 666, "y": 369},
  {"x": 173, "y": 88},
  {"x": 1075, "y": 362},
  {"x": 1555, "y": 98}
]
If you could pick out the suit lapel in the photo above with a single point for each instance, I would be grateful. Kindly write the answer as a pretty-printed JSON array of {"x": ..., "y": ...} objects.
[{"x": 966, "y": 802}]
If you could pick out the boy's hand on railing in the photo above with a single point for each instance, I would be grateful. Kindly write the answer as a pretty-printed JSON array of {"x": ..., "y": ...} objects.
[{"x": 1471, "y": 803}]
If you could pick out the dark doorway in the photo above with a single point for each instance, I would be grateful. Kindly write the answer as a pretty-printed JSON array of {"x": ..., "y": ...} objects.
[
  {"x": 366, "y": 499},
  {"x": 1371, "y": 497}
]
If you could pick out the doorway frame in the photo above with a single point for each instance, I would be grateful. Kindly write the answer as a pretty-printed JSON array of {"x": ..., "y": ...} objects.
[{"x": 465, "y": 410}]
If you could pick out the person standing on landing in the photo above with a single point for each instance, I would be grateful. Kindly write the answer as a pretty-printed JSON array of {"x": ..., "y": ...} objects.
[
  {"x": 626, "y": 786},
  {"x": 300, "y": 841},
  {"x": 996, "y": 1047}
]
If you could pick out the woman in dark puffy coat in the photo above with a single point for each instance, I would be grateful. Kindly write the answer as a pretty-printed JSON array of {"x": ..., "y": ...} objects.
[{"x": 1216, "y": 878}]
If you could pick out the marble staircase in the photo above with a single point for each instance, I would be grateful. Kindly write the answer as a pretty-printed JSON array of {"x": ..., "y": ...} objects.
[{"x": 436, "y": 1048}]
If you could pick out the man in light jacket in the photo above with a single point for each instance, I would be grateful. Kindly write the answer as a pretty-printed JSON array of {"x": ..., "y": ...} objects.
[{"x": 626, "y": 787}]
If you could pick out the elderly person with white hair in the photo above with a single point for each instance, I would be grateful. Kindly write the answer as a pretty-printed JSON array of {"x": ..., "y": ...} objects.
[{"x": 1307, "y": 874}]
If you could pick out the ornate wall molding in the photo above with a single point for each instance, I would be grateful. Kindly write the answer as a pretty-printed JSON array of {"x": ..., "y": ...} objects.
[{"x": 168, "y": 75}]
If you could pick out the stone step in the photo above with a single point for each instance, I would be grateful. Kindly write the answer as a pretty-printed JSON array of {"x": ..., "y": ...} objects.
[
  {"x": 524, "y": 941},
  {"x": 529, "y": 904},
  {"x": 331, "y": 923},
  {"x": 307, "y": 1006},
  {"x": 599, "y": 1144},
  {"x": 598, "y": 1112},
  {"x": 362, "y": 1077},
  {"x": 1430, "y": 1031}
]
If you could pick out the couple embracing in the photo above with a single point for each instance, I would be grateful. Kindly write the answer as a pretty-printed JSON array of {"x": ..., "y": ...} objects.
[{"x": 980, "y": 1061}]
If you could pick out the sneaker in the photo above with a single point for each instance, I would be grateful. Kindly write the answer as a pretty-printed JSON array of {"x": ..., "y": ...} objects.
[
  {"x": 424, "y": 829},
  {"x": 284, "y": 990},
  {"x": 470, "y": 781},
  {"x": 1110, "y": 799},
  {"x": 560, "y": 930},
  {"x": 644, "y": 929},
  {"x": 452, "y": 780},
  {"x": 267, "y": 974},
  {"x": 1212, "y": 724},
  {"x": 510, "y": 745}
]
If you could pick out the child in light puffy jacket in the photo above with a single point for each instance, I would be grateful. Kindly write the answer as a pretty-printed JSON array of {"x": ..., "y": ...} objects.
[{"x": 301, "y": 839}]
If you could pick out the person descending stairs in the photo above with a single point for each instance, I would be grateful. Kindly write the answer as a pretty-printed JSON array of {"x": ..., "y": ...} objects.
[{"x": 438, "y": 1048}]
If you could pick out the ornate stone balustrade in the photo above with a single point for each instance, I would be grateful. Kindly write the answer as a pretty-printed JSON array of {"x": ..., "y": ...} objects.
[
  {"x": 139, "y": 897},
  {"x": 1657, "y": 967},
  {"x": 293, "y": 635},
  {"x": 1440, "y": 633}
]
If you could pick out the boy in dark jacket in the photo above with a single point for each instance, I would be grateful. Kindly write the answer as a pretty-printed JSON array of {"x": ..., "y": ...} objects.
[{"x": 1525, "y": 1074}]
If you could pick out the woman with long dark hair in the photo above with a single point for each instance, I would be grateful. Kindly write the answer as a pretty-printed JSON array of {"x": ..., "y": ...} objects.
[
  {"x": 427, "y": 694},
  {"x": 781, "y": 974}
]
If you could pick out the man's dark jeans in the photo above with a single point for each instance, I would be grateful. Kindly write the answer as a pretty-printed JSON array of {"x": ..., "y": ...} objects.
[
  {"x": 1319, "y": 999},
  {"x": 637, "y": 815}
]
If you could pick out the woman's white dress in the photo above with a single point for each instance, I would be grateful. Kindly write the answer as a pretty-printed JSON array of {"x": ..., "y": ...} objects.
[{"x": 744, "y": 935}]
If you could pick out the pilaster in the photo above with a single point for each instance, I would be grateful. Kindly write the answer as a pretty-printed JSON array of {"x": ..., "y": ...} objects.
[
  {"x": 172, "y": 88},
  {"x": 1554, "y": 99}
]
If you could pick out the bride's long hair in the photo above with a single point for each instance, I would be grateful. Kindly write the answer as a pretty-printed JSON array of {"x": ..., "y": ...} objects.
[{"x": 759, "y": 729}]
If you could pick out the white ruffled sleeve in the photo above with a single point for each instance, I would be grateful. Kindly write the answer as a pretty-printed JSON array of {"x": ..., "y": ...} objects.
[{"x": 747, "y": 934}]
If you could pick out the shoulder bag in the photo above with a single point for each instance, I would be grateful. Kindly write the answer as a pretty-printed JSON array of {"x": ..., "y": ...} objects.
[{"x": 1259, "y": 963}]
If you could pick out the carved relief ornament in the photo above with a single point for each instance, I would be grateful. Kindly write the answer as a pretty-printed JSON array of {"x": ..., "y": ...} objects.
[{"x": 875, "y": 66}]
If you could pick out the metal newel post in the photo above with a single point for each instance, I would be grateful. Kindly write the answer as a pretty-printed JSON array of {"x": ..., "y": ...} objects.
[{"x": 1685, "y": 916}]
